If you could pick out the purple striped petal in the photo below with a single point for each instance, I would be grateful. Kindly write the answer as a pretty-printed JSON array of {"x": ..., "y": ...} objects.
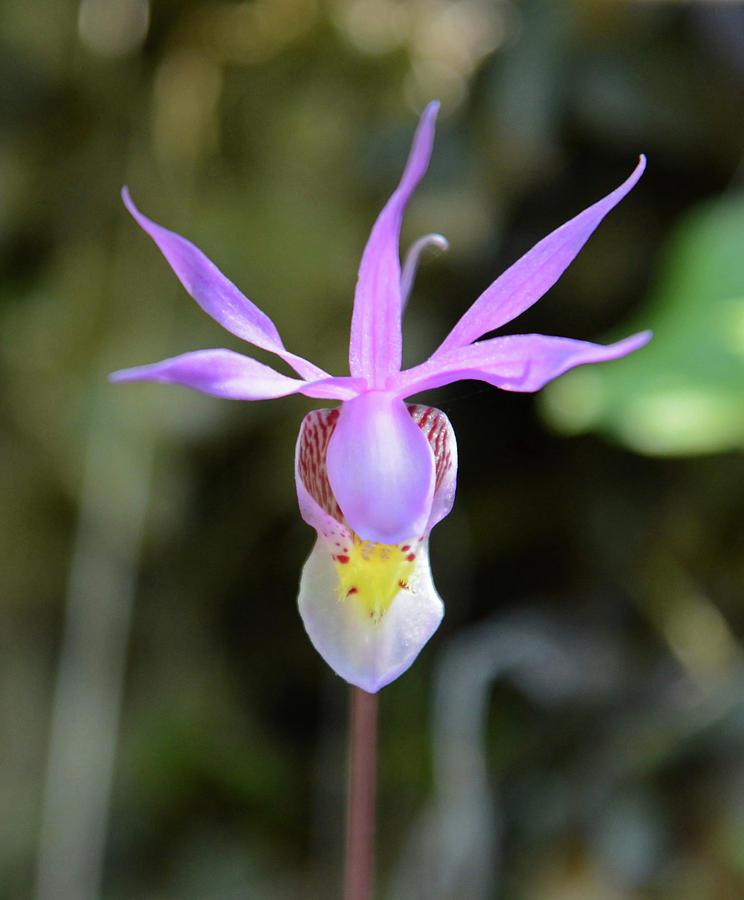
[
  {"x": 224, "y": 373},
  {"x": 375, "y": 346},
  {"x": 318, "y": 506},
  {"x": 381, "y": 469},
  {"x": 218, "y": 296},
  {"x": 517, "y": 362},
  {"x": 530, "y": 277},
  {"x": 441, "y": 437}
]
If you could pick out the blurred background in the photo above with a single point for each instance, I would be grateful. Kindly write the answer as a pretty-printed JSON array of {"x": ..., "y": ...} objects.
[{"x": 575, "y": 729}]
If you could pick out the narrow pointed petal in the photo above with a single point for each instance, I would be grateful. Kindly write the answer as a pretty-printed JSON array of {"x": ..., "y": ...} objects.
[
  {"x": 375, "y": 346},
  {"x": 217, "y": 295},
  {"x": 224, "y": 373},
  {"x": 381, "y": 469},
  {"x": 366, "y": 651},
  {"x": 517, "y": 362},
  {"x": 530, "y": 277}
]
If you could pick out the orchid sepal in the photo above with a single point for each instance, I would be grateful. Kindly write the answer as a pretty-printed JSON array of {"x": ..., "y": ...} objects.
[
  {"x": 531, "y": 276},
  {"x": 375, "y": 346},
  {"x": 234, "y": 376},
  {"x": 515, "y": 362},
  {"x": 217, "y": 295}
]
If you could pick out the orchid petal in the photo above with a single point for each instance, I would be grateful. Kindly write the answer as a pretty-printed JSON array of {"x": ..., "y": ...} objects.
[
  {"x": 517, "y": 362},
  {"x": 318, "y": 506},
  {"x": 369, "y": 653},
  {"x": 375, "y": 346},
  {"x": 525, "y": 282},
  {"x": 381, "y": 469},
  {"x": 224, "y": 373},
  {"x": 217, "y": 295},
  {"x": 441, "y": 437}
]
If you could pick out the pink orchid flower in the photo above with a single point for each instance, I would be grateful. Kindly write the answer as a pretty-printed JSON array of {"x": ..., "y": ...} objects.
[{"x": 374, "y": 475}]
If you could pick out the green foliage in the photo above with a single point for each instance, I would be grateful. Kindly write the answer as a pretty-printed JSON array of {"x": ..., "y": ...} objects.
[{"x": 684, "y": 393}]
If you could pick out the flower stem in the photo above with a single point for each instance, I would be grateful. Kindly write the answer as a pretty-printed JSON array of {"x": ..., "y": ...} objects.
[{"x": 360, "y": 811}]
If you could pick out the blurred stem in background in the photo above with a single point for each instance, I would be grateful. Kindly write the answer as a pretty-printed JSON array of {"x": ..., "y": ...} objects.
[
  {"x": 90, "y": 677},
  {"x": 115, "y": 492}
]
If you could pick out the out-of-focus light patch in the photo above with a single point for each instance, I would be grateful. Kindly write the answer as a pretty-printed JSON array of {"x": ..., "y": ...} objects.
[
  {"x": 681, "y": 421},
  {"x": 732, "y": 325},
  {"x": 446, "y": 41},
  {"x": 113, "y": 28},
  {"x": 574, "y": 402},
  {"x": 251, "y": 33},
  {"x": 463, "y": 211},
  {"x": 460, "y": 33},
  {"x": 700, "y": 636},
  {"x": 375, "y": 26},
  {"x": 570, "y": 873},
  {"x": 186, "y": 93},
  {"x": 432, "y": 77},
  {"x": 693, "y": 626}
]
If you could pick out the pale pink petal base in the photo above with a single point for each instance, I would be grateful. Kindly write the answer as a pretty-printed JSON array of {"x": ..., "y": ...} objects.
[
  {"x": 318, "y": 504},
  {"x": 366, "y": 653},
  {"x": 381, "y": 469}
]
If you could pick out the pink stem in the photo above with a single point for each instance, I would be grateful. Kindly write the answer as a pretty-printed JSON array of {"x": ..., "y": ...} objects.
[{"x": 360, "y": 822}]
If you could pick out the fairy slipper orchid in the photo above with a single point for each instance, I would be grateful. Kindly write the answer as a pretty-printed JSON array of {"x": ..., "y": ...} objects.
[{"x": 374, "y": 475}]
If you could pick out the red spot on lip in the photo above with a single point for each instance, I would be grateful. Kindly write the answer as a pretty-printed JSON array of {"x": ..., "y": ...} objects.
[
  {"x": 406, "y": 547},
  {"x": 352, "y": 591},
  {"x": 411, "y": 557},
  {"x": 342, "y": 559}
]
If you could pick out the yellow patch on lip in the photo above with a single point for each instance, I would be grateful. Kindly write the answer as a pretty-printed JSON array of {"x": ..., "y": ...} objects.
[{"x": 371, "y": 574}]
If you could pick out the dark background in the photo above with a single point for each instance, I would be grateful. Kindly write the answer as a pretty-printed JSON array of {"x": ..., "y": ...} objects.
[{"x": 575, "y": 729}]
